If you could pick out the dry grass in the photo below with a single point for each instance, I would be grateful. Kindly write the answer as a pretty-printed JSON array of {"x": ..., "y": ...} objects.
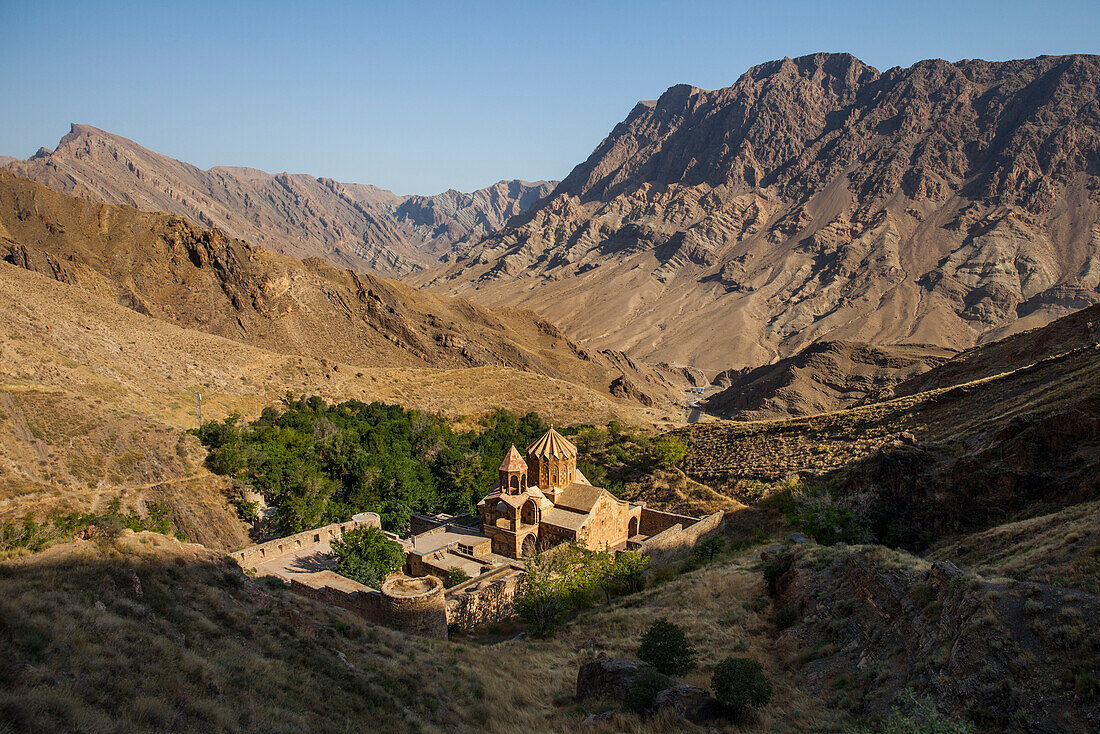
[
  {"x": 153, "y": 635},
  {"x": 719, "y": 610},
  {"x": 1061, "y": 549},
  {"x": 94, "y": 396}
]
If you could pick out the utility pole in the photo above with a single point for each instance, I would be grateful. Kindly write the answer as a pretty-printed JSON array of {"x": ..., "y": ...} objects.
[{"x": 200, "y": 408}]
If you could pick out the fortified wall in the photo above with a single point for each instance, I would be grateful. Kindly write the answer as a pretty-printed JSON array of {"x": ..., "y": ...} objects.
[
  {"x": 671, "y": 536},
  {"x": 255, "y": 555},
  {"x": 484, "y": 600}
]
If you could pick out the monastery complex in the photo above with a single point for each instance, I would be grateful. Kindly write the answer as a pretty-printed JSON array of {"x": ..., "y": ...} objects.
[{"x": 538, "y": 501}]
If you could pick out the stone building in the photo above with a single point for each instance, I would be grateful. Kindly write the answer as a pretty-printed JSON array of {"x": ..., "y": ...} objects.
[{"x": 521, "y": 517}]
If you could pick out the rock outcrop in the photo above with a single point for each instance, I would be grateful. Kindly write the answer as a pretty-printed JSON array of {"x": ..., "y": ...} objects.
[
  {"x": 1010, "y": 656},
  {"x": 818, "y": 198},
  {"x": 608, "y": 677}
]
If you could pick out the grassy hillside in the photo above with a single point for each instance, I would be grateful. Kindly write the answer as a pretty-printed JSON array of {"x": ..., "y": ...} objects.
[
  {"x": 94, "y": 397},
  {"x": 933, "y": 463},
  {"x": 152, "y": 635}
]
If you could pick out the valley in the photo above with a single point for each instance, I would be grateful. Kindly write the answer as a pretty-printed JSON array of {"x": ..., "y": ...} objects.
[{"x": 878, "y": 291}]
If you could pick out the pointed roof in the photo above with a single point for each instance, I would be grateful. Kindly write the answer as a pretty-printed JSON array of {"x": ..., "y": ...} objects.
[
  {"x": 513, "y": 462},
  {"x": 552, "y": 445}
]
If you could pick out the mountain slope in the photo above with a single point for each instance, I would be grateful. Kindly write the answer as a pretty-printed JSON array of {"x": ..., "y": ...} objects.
[
  {"x": 954, "y": 458},
  {"x": 824, "y": 377},
  {"x": 1077, "y": 330},
  {"x": 162, "y": 266},
  {"x": 818, "y": 198},
  {"x": 94, "y": 397},
  {"x": 357, "y": 226}
]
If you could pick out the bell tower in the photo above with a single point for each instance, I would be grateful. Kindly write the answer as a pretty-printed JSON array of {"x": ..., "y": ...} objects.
[
  {"x": 513, "y": 473},
  {"x": 554, "y": 461}
]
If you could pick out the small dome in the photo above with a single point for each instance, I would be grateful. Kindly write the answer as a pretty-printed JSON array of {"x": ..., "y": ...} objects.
[
  {"x": 513, "y": 462},
  {"x": 552, "y": 445}
]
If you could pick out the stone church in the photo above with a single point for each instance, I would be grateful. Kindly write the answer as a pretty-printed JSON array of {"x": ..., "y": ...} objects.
[{"x": 544, "y": 500}]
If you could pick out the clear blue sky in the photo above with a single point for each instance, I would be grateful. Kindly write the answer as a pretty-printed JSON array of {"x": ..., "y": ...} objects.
[{"x": 422, "y": 96}]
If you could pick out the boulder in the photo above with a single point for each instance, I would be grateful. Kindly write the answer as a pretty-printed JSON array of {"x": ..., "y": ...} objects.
[
  {"x": 607, "y": 678},
  {"x": 690, "y": 702}
]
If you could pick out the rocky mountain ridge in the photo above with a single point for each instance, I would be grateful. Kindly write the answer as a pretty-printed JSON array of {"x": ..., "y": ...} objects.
[
  {"x": 161, "y": 265},
  {"x": 358, "y": 226},
  {"x": 817, "y": 198}
]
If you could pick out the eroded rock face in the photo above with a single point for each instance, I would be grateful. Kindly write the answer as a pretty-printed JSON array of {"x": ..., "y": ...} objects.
[
  {"x": 1006, "y": 655},
  {"x": 818, "y": 198}
]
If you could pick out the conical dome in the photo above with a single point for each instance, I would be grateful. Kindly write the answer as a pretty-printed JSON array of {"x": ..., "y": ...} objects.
[
  {"x": 552, "y": 445},
  {"x": 513, "y": 462}
]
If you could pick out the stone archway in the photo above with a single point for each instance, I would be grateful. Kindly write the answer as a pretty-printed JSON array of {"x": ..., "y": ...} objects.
[
  {"x": 528, "y": 546},
  {"x": 632, "y": 527}
]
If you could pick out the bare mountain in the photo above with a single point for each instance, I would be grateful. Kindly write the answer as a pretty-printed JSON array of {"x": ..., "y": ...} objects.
[
  {"x": 818, "y": 198},
  {"x": 824, "y": 377},
  {"x": 161, "y": 265},
  {"x": 357, "y": 226}
]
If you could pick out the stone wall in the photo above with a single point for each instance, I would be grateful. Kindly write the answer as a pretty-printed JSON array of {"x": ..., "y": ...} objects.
[
  {"x": 253, "y": 555},
  {"x": 609, "y": 523},
  {"x": 342, "y": 592},
  {"x": 677, "y": 540},
  {"x": 654, "y": 522},
  {"x": 484, "y": 600}
]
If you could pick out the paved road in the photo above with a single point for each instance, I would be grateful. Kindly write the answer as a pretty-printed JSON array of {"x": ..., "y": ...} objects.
[{"x": 696, "y": 411}]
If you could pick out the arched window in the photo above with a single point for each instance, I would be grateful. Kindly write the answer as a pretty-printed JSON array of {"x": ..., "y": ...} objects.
[{"x": 530, "y": 513}]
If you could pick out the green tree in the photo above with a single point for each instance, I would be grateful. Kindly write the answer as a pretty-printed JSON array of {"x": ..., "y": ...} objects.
[
  {"x": 542, "y": 597},
  {"x": 455, "y": 576},
  {"x": 618, "y": 572},
  {"x": 666, "y": 648},
  {"x": 366, "y": 555},
  {"x": 669, "y": 451},
  {"x": 739, "y": 685}
]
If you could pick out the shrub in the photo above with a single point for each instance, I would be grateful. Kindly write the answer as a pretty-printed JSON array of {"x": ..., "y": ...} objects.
[
  {"x": 644, "y": 689},
  {"x": 739, "y": 685},
  {"x": 543, "y": 595},
  {"x": 455, "y": 576},
  {"x": 818, "y": 514},
  {"x": 366, "y": 555},
  {"x": 786, "y": 616},
  {"x": 706, "y": 549},
  {"x": 774, "y": 570},
  {"x": 919, "y": 716},
  {"x": 665, "y": 647},
  {"x": 622, "y": 572}
]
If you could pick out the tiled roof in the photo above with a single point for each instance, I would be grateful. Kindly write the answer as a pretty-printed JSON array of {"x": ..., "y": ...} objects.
[
  {"x": 562, "y": 518},
  {"x": 579, "y": 497},
  {"x": 513, "y": 462},
  {"x": 552, "y": 445}
]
